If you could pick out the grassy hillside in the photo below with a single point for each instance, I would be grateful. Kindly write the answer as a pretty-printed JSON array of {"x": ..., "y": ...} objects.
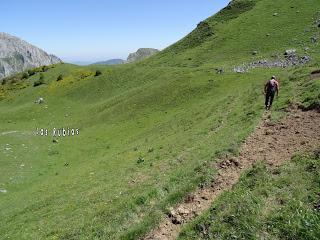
[
  {"x": 230, "y": 37},
  {"x": 282, "y": 203},
  {"x": 148, "y": 130}
]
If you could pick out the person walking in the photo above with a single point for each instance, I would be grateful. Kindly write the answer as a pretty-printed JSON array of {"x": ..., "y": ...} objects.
[{"x": 270, "y": 89}]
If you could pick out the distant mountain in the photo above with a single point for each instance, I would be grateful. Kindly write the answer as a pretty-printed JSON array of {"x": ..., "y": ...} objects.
[
  {"x": 110, "y": 62},
  {"x": 17, "y": 55},
  {"x": 141, "y": 54},
  {"x": 81, "y": 63}
]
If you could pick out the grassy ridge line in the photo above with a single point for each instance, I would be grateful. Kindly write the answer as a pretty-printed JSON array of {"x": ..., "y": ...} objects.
[
  {"x": 272, "y": 204},
  {"x": 254, "y": 30}
]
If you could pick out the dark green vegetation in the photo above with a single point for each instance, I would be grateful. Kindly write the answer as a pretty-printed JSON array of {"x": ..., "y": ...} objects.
[
  {"x": 147, "y": 130},
  {"x": 60, "y": 77},
  {"x": 40, "y": 81},
  {"x": 98, "y": 73},
  {"x": 283, "y": 203}
]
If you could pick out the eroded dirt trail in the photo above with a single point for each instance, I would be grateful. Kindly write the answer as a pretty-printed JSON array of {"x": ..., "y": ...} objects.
[{"x": 270, "y": 142}]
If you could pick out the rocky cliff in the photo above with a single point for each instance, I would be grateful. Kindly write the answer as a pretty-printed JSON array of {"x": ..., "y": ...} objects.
[
  {"x": 17, "y": 55},
  {"x": 142, "y": 53}
]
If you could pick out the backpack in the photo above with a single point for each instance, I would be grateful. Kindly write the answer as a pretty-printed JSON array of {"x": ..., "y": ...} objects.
[{"x": 272, "y": 85}]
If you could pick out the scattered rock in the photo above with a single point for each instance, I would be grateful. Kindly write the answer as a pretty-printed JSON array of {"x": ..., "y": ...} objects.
[
  {"x": 303, "y": 142},
  {"x": 254, "y": 52},
  {"x": 189, "y": 198},
  {"x": 205, "y": 198},
  {"x": 39, "y": 100},
  {"x": 290, "y": 52},
  {"x": 314, "y": 39},
  {"x": 235, "y": 161},
  {"x": 66, "y": 164},
  {"x": 268, "y": 34},
  {"x": 183, "y": 211},
  {"x": 175, "y": 217},
  {"x": 291, "y": 59},
  {"x": 177, "y": 220},
  {"x": 275, "y": 14},
  {"x": 269, "y": 124},
  {"x": 55, "y": 141},
  {"x": 219, "y": 70},
  {"x": 239, "y": 70},
  {"x": 305, "y": 59},
  {"x": 3, "y": 191},
  {"x": 229, "y": 162}
]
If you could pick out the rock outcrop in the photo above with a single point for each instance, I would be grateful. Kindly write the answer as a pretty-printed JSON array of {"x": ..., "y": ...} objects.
[
  {"x": 141, "y": 54},
  {"x": 17, "y": 55}
]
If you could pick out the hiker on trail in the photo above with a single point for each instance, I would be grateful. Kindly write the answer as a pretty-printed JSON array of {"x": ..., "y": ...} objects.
[{"x": 270, "y": 89}]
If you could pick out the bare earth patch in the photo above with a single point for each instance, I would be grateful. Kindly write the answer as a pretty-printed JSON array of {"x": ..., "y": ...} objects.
[{"x": 271, "y": 142}]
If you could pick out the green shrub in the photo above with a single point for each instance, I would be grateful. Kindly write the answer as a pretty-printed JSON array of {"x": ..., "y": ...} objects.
[
  {"x": 140, "y": 160},
  {"x": 13, "y": 80},
  {"x": 25, "y": 75},
  {"x": 40, "y": 81},
  {"x": 60, "y": 77},
  {"x": 31, "y": 72},
  {"x": 98, "y": 73},
  {"x": 44, "y": 68}
]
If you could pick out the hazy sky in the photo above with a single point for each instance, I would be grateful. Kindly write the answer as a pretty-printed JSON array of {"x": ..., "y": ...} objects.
[{"x": 93, "y": 30}]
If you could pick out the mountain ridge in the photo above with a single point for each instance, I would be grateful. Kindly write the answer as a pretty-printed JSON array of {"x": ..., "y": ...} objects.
[
  {"x": 17, "y": 55},
  {"x": 141, "y": 53},
  {"x": 114, "y": 61}
]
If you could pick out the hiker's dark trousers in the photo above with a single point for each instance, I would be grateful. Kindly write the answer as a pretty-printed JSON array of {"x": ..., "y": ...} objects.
[{"x": 269, "y": 98}]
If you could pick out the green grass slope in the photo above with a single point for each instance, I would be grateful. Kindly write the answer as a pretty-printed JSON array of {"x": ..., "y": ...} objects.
[
  {"x": 281, "y": 203},
  {"x": 148, "y": 130}
]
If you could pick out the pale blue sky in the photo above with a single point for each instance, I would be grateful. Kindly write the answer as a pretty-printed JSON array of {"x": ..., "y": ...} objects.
[{"x": 94, "y": 30}]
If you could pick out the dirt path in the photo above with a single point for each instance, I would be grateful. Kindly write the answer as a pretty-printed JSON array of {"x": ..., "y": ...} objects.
[{"x": 270, "y": 142}]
